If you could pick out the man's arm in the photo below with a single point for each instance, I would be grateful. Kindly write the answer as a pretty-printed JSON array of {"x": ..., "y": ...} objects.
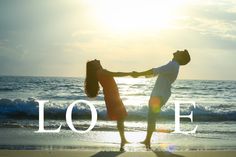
[{"x": 143, "y": 73}]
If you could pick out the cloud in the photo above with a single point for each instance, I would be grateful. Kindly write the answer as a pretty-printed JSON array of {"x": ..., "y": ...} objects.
[
  {"x": 211, "y": 18},
  {"x": 48, "y": 39}
]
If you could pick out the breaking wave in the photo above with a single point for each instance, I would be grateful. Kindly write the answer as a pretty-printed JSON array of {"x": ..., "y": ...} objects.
[{"x": 28, "y": 109}]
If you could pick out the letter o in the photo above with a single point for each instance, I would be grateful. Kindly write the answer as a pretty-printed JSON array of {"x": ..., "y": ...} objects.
[{"x": 69, "y": 116}]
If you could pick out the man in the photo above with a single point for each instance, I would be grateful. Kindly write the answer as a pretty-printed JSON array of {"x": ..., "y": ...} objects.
[{"x": 161, "y": 92}]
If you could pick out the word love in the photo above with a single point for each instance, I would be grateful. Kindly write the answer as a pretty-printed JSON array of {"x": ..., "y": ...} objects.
[{"x": 94, "y": 117}]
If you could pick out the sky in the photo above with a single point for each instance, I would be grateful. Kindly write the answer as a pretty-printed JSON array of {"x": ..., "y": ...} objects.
[{"x": 57, "y": 38}]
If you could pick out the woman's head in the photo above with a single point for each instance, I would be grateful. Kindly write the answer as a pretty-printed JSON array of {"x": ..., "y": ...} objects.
[
  {"x": 182, "y": 57},
  {"x": 91, "y": 82}
]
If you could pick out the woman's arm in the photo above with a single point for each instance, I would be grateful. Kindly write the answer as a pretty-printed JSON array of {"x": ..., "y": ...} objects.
[{"x": 117, "y": 74}]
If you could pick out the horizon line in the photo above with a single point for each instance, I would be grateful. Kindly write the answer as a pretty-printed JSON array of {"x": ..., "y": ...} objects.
[{"x": 197, "y": 79}]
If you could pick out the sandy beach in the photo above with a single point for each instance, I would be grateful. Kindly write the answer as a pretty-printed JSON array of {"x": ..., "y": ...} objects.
[{"x": 62, "y": 153}]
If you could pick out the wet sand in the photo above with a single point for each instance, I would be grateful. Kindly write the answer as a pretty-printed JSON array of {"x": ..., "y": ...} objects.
[{"x": 76, "y": 153}]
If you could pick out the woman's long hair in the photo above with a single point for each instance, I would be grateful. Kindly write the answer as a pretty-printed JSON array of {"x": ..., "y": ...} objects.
[{"x": 91, "y": 82}]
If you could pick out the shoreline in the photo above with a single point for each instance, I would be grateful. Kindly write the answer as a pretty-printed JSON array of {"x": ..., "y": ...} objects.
[
  {"x": 114, "y": 147},
  {"x": 61, "y": 153},
  {"x": 26, "y": 139}
]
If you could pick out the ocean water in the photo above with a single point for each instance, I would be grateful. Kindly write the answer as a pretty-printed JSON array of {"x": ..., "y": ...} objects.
[{"x": 215, "y": 114}]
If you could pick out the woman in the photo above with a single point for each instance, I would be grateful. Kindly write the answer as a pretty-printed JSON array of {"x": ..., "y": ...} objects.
[{"x": 115, "y": 107}]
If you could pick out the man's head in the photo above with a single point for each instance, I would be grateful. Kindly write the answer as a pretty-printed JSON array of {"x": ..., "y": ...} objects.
[{"x": 182, "y": 57}]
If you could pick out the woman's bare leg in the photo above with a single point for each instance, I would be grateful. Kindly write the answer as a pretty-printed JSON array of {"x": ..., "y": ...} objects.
[{"x": 120, "y": 127}]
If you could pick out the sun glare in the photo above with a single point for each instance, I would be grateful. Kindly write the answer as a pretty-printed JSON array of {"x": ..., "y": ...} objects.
[{"x": 136, "y": 15}]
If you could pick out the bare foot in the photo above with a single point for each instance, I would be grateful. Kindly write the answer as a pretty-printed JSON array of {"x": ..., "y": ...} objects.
[
  {"x": 123, "y": 142},
  {"x": 122, "y": 149},
  {"x": 147, "y": 144}
]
